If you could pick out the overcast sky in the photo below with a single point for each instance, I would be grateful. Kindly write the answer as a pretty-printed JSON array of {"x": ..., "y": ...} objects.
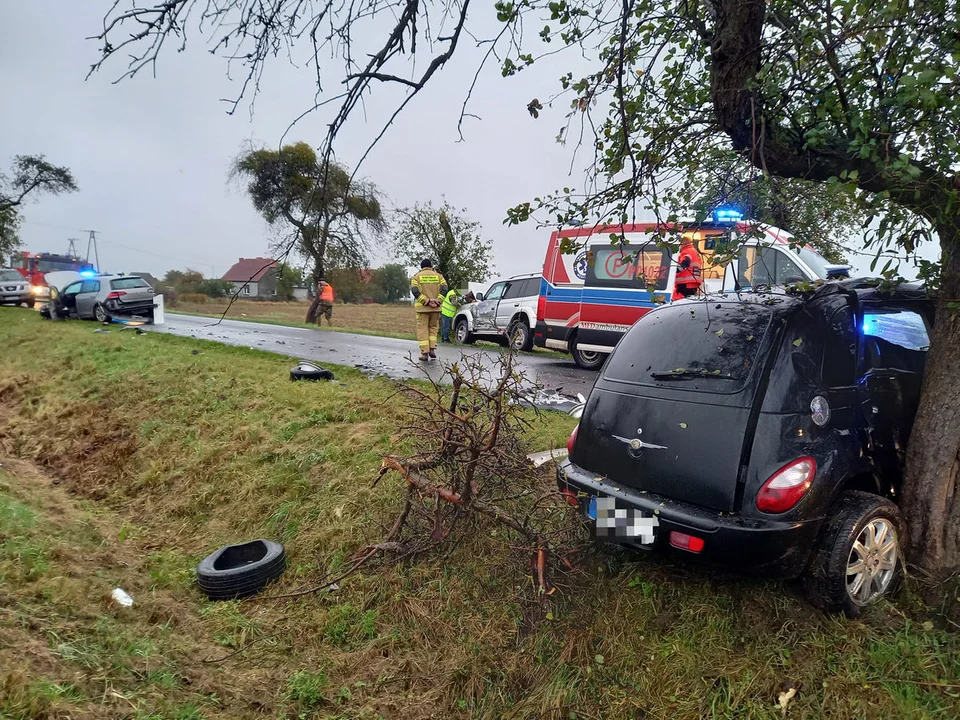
[{"x": 151, "y": 155}]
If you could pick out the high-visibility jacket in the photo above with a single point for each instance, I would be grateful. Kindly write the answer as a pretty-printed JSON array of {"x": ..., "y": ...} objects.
[
  {"x": 450, "y": 304},
  {"x": 427, "y": 285},
  {"x": 690, "y": 272},
  {"x": 326, "y": 293}
]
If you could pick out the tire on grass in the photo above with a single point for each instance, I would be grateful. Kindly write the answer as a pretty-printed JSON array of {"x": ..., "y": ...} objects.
[
  {"x": 309, "y": 371},
  {"x": 236, "y": 571}
]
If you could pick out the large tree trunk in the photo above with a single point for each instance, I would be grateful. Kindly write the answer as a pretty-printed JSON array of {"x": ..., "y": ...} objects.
[
  {"x": 930, "y": 500},
  {"x": 315, "y": 245}
]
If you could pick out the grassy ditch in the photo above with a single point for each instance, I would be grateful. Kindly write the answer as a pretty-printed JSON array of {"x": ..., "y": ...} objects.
[{"x": 127, "y": 458}]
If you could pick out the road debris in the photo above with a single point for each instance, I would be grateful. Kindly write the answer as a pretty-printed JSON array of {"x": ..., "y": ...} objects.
[{"x": 540, "y": 458}]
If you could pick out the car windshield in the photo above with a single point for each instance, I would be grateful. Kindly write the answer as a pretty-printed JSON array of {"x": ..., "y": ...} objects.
[
  {"x": 10, "y": 276},
  {"x": 706, "y": 344}
]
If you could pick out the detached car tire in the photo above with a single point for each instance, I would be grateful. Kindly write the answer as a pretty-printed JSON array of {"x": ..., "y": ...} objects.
[
  {"x": 309, "y": 371},
  {"x": 236, "y": 571},
  {"x": 857, "y": 560}
]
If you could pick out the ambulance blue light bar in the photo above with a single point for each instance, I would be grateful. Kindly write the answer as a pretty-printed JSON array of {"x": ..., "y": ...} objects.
[{"x": 727, "y": 215}]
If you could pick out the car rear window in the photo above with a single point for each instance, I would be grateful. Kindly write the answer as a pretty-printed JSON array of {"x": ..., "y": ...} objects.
[
  {"x": 710, "y": 345},
  {"x": 128, "y": 283}
]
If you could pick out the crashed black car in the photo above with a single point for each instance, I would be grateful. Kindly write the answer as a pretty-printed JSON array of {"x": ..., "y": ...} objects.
[{"x": 761, "y": 432}]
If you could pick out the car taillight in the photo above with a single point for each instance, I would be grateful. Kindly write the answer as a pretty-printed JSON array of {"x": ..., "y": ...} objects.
[
  {"x": 116, "y": 295},
  {"x": 786, "y": 486},
  {"x": 686, "y": 542},
  {"x": 572, "y": 439},
  {"x": 541, "y": 307}
]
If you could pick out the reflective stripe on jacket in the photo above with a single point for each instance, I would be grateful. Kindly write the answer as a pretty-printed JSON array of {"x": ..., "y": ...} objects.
[
  {"x": 427, "y": 285},
  {"x": 450, "y": 304}
]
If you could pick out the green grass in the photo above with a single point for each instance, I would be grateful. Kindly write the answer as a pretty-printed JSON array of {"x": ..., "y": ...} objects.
[{"x": 161, "y": 456}]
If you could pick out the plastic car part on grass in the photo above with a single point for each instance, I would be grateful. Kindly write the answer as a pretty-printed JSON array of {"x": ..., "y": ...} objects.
[
  {"x": 236, "y": 571},
  {"x": 309, "y": 371}
]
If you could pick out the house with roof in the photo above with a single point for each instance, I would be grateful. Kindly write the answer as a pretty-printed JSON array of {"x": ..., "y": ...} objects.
[{"x": 254, "y": 278}]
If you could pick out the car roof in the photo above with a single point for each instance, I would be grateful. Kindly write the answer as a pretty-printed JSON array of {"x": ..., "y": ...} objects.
[{"x": 866, "y": 290}]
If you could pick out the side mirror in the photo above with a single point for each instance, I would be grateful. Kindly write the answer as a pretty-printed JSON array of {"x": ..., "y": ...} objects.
[{"x": 479, "y": 297}]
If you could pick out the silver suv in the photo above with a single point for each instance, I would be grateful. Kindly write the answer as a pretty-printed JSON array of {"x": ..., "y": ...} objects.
[
  {"x": 102, "y": 297},
  {"x": 14, "y": 288},
  {"x": 506, "y": 313}
]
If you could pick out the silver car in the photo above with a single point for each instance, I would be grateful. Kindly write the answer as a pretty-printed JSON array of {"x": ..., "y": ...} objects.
[
  {"x": 104, "y": 297},
  {"x": 14, "y": 288}
]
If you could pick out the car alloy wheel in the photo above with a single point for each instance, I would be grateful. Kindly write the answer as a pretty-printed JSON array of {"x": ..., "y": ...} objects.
[
  {"x": 873, "y": 561},
  {"x": 100, "y": 314},
  {"x": 519, "y": 336},
  {"x": 461, "y": 332}
]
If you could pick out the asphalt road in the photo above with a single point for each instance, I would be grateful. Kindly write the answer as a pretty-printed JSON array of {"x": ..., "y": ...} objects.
[{"x": 375, "y": 355}]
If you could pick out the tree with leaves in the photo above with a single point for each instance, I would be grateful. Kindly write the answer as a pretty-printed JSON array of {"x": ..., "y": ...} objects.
[
  {"x": 390, "y": 283},
  {"x": 445, "y": 236},
  {"x": 289, "y": 279},
  {"x": 329, "y": 213},
  {"x": 30, "y": 176},
  {"x": 855, "y": 93}
]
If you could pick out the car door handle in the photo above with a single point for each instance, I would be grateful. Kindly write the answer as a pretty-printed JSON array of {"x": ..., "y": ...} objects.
[{"x": 516, "y": 304}]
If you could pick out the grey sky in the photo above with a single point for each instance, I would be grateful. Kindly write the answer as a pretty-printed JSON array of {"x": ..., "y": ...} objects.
[{"x": 151, "y": 155}]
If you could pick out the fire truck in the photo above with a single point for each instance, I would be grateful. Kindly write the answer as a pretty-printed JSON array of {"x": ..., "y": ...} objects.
[{"x": 33, "y": 266}]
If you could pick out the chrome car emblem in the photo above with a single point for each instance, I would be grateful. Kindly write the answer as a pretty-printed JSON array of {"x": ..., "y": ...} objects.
[{"x": 637, "y": 443}]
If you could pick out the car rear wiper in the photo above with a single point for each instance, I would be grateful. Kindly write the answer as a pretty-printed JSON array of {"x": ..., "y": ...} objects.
[{"x": 683, "y": 373}]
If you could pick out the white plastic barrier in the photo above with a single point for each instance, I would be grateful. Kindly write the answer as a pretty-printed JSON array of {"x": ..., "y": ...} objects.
[{"x": 158, "y": 309}]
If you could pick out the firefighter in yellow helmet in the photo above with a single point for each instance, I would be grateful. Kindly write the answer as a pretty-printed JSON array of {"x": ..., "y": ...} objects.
[{"x": 428, "y": 288}]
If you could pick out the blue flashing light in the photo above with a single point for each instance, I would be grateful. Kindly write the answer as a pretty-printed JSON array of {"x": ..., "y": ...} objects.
[
  {"x": 722, "y": 214},
  {"x": 88, "y": 274}
]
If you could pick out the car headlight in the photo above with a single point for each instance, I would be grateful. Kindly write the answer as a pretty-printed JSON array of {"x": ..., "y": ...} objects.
[{"x": 37, "y": 289}]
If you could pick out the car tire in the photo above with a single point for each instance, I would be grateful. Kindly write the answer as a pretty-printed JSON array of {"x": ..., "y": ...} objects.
[
  {"x": 863, "y": 531},
  {"x": 100, "y": 313},
  {"x": 236, "y": 571},
  {"x": 30, "y": 303},
  {"x": 588, "y": 360},
  {"x": 309, "y": 371},
  {"x": 520, "y": 336},
  {"x": 461, "y": 332}
]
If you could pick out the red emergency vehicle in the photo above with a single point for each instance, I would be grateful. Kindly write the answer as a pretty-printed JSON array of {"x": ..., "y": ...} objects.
[
  {"x": 33, "y": 266},
  {"x": 590, "y": 298}
]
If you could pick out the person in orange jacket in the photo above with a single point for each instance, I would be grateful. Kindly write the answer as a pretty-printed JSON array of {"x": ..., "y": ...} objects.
[
  {"x": 690, "y": 271},
  {"x": 325, "y": 293}
]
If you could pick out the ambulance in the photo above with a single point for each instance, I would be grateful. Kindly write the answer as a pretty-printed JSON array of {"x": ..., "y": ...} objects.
[{"x": 591, "y": 297}]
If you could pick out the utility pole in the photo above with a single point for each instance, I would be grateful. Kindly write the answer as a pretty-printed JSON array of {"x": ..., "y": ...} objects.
[
  {"x": 92, "y": 242},
  {"x": 72, "y": 248}
]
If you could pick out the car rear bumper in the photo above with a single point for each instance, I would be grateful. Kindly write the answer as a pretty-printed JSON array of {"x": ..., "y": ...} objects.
[
  {"x": 140, "y": 308},
  {"x": 552, "y": 336},
  {"x": 761, "y": 546}
]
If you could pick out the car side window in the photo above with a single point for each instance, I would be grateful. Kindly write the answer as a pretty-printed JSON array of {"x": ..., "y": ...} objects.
[
  {"x": 72, "y": 288},
  {"x": 894, "y": 340},
  {"x": 90, "y": 286},
  {"x": 514, "y": 290},
  {"x": 786, "y": 270},
  {"x": 496, "y": 291}
]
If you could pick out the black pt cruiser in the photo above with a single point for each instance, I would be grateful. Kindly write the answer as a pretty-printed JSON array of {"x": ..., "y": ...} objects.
[{"x": 761, "y": 432}]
